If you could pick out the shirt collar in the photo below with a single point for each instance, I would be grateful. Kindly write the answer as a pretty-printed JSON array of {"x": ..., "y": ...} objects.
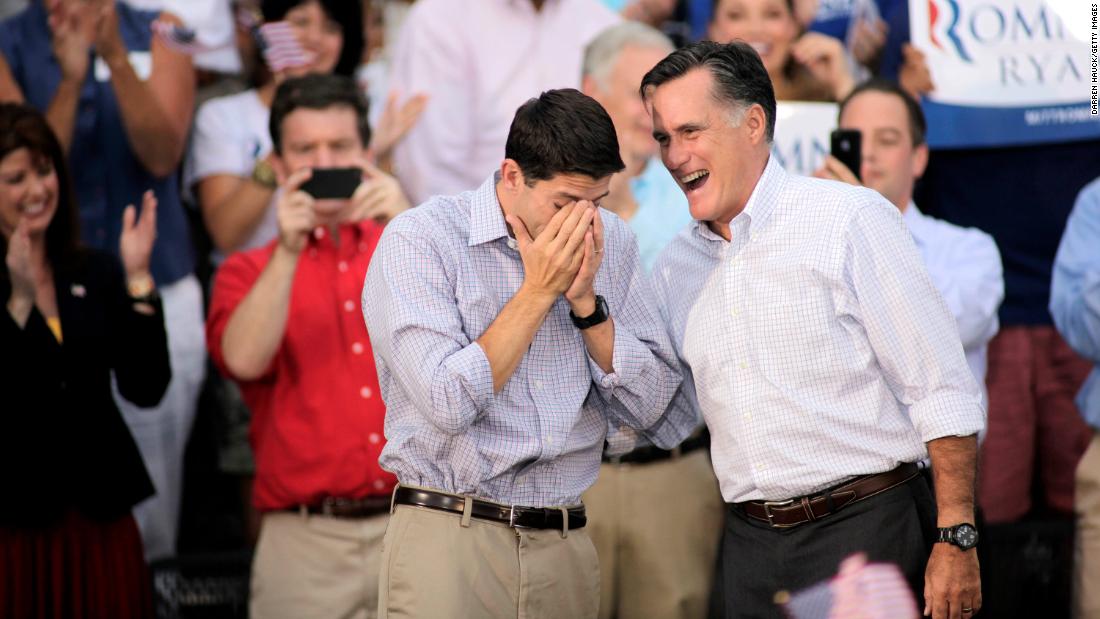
[
  {"x": 761, "y": 202},
  {"x": 486, "y": 215},
  {"x": 914, "y": 221},
  {"x": 350, "y": 233},
  {"x": 526, "y": 5},
  {"x": 37, "y": 9},
  {"x": 765, "y": 195}
]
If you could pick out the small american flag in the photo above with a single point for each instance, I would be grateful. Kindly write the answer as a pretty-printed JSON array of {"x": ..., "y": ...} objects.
[
  {"x": 182, "y": 39},
  {"x": 860, "y": 591},
  {"x": 281, "y": 48}
]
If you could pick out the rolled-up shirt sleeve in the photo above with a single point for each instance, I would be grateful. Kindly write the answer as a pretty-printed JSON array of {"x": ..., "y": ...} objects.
[
  {"x": 646, "y": 372},
  {"x": 416, "y": 333},
  {"x": 909, "y": 327}
]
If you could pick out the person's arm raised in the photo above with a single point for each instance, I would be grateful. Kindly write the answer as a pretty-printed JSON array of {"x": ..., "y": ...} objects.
[
  {"x": 255, "y": 329},
  {"x": 550, "y": 263},
  {"x": 156, "y": 114}
]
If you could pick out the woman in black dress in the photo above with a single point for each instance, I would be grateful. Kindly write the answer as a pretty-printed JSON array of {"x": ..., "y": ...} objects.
[{"x": 69, "y": 469}]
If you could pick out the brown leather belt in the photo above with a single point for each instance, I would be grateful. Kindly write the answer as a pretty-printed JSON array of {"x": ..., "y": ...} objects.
[
  {"x": 340, "y": 507},
  {"x": 793, "y": 512},
  {"x": 513, "y": 516},
  {"x": 652, "y": 453}
]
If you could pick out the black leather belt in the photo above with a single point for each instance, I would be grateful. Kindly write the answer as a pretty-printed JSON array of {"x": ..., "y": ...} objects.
[
  {"x": 513, "y": 516},
  {"x": 793, "y": 512},
  {"x": 339, "y": 507},
  {"x": 652, "y": 453}
]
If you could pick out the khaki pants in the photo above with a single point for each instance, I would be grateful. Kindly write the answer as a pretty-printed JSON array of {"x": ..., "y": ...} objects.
[
  {"x": 1086, "y": 566},
  {"x": 657, "y": 529},
  {"x": 437, "y": 565},
  {"x": 316, "y": 567}
]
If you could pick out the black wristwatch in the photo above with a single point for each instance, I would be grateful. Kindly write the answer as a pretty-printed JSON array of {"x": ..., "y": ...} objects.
[
  {"x": 598, "y": 316},
  {"x": 963, "y": 535}
]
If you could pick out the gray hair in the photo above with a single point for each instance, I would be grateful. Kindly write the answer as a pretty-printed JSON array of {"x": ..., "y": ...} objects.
[
  {"x": 602, "y": 52},
  {"x": 740, "y": 79}
]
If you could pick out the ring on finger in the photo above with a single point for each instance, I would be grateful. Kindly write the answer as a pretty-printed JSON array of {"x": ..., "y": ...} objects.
[{"x": 967, "y": 609}]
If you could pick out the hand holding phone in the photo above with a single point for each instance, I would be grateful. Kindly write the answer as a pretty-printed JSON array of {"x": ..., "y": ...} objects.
[
  {"x": 844, "y": 144},
  {"x": 333, "y": 183}
]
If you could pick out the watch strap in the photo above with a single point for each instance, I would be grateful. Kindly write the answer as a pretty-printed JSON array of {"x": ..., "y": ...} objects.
[
  {"x": 598, "y": 316},
  {"x": 263, "y": 174}
]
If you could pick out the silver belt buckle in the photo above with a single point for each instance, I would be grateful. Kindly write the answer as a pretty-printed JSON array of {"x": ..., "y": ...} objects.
[
  {"x": 512, "y": 517},
  {"x": 768, "y": 505}
]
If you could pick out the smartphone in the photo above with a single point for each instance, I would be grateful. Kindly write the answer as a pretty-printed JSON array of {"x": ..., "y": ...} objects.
[
  {"x": 333, "y": 183},
  {"x": 845, "y": 146}
]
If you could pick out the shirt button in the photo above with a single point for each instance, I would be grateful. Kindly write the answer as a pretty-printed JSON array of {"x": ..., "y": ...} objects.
[
  {"x": 735, "y": 312},
  {"x": 513, "y": 244},
  {"x": 343, "y": 266},
  {"x": 747, "y": 417},
  {"x": 349, "y": 306},
  {"x": 379, "y": 484},
  {"x": 362, "y": 248},
  {"x": 549, "y": 440},
  {"x": 318, "y": 233},
  {"x": 357, "y": 348},
  {"x": 744, "y": 365},
  {"x": 538, "y": 384},
  {"x": 760, "y": 466},
  {"x": 366, "y": 393},
  {"x": 374, "y": 438}
]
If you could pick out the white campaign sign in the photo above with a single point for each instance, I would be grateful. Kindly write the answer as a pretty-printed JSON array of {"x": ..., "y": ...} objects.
[
  {"x": 1003, "y": 53},
  {"x": 802, "y": 135}
]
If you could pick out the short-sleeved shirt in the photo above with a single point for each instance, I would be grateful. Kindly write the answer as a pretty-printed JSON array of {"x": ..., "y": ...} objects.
[
  {"x": 317, "y": 413},
  {"x": 230, "y": 134}
]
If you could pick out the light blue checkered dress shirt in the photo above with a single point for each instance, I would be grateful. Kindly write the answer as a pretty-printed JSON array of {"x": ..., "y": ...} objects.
[{"x": 441, "y": 274}]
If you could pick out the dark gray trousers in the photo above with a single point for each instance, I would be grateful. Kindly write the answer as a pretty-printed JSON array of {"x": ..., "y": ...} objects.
[{"x": 756, "y": 562}]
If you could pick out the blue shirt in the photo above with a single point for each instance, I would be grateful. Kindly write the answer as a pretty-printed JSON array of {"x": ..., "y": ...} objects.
[
  {"x": 1075, "y": 292},
  {"x": 107, "y": 175},
  {"x": 662, "y": 210},
  {"x": 440, "y": 276}
]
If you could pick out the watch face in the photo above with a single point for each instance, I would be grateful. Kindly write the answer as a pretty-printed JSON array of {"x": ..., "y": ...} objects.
[{"x": 966, "y": 536}]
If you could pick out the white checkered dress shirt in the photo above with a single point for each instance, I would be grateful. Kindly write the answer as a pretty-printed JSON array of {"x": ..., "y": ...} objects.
[
  {"x": 819, "y": 347},
  {"x": 441, "y": 274}
]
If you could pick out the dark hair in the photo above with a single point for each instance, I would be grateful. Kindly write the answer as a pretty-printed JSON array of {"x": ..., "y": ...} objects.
[
  {"x": 347, "y": 13},
  {"x": 563, "y": 132},
  {"x": 917, "y": 125},
  {"x": 740, "y": 79},
  {"x": 22, "y": 126},
  {"x": 317, "y": 92}
]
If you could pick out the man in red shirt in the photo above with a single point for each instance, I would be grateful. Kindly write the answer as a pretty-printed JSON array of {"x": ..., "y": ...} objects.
[{"x": 286, "y": 324}]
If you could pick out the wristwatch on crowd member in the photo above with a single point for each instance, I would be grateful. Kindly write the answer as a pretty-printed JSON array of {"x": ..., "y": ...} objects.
[
  {"x": 597, "y": 317},
  {"x": 963, "y": 535},
  {"x": 141, "y": 289},
  {"x": 263, "y": 174}
]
